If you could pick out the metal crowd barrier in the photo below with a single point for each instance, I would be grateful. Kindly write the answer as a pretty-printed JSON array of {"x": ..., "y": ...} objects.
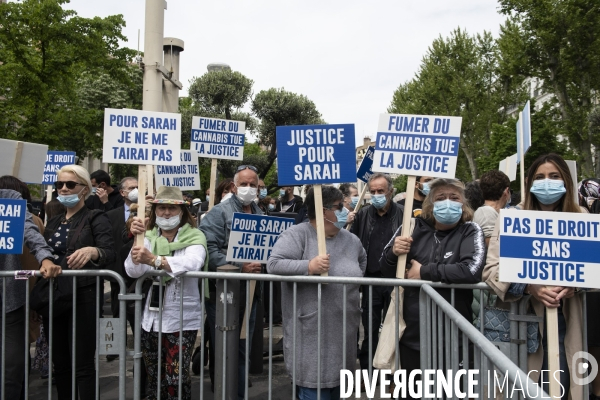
[
  {"x": 74, "y": 275},
  {"x": 441, "y": 326}
]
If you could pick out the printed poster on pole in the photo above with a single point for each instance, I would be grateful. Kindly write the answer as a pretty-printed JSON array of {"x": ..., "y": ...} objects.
[
  {"x": 218, "y": 138},
  {"x": 55, "y": 160},
  {"x": 185, "y": 176}
]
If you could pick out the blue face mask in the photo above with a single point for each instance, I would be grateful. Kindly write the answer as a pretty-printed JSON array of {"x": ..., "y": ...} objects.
[
  {"x": 425, "y": 189},
  {"x": 262, "y": 194},
  {"x": 94, "y": 190},
  {"x": 342, "y": 218},
  {"x": 207, "y": 198},
  {"x": 353, "y": 202},
  {"x": 378, "y": 200},
  {"x": 281, "y": 192},
  {"x": 69, "y": 200},
  {"x": 447, "y": 212},
  {"x": 271, "y": 207},
  {"x": 548, "y": 191}
]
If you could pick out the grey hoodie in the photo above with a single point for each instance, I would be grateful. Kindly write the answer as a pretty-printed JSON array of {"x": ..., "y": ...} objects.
[{"x": 16, "y": 289}]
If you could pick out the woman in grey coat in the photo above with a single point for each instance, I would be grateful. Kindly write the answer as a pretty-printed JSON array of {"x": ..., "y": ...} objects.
[{"x": 296, "y": 253}]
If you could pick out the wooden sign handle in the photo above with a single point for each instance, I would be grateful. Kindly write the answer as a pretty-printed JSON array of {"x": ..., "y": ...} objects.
[
  {"x": 150, "y": 181},
  {"x": 408, "y": 205},
  {"x": 17, "y": 163},
  {"x": 553, "y": 351},
  {"x": 522, "y": 160},
  {"x": 142, "y": 176},
  {"x": 320, "y": 222},
  {"x": 252, "y": 288},
  {"x": 213, "y": 182},
  {"x": 359, "y": 204}
]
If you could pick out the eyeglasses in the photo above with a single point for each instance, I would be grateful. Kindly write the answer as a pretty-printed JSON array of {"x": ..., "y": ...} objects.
[
  {"x": 70, "y": 184},
  {"x": 338, "y": 206},
  {"x": 243, "y": 167}
]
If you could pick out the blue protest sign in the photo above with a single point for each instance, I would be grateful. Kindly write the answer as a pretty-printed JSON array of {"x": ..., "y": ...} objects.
[
  {"x": 315, "y": 154},
  {"x": 218, "y": 138},
  {"x": 55, "y": 160},
  {"x": 252, "y": 237},
  {"x": 365, "y": 170},
  {"x": 418, "y": 145},
  {"x": 141, "y": 137},
  {"x": 12, "y": 225},
  {"x": 550, "y": 248}
]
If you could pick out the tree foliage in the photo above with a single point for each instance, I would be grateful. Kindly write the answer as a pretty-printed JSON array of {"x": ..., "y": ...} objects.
[
  {"x": 46, "y": 53},
  {"x": 559, "y": 43}
]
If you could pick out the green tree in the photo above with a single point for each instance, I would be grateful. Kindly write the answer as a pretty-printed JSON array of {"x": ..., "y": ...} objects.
[
  {"x": 278, "y": 107},
  {"x": 44, "y": 51},
  {"x": 558, "y": 42},
  {"x": 458, "y": 76}
]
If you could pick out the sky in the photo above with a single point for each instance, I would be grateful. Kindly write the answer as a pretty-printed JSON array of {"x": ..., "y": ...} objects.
[{"x": 348, "y": 56}]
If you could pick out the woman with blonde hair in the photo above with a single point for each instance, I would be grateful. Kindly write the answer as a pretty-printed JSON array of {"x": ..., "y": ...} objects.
[
  {"x": 81, "y": 239},
  {"x": 550, "y": 188},
  {"x": 444, "y": 246}
]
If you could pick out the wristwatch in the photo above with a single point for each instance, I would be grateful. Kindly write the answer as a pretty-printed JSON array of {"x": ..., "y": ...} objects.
[{"x": 157, "y": 262}]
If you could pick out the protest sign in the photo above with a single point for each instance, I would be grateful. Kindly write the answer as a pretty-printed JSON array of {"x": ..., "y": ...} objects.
[
  {"x": 365, "y": 169},
  {"x": 316, "y": 154},
  {"x": 524, "y": 127},
  {"x": 185, "y": 176},
  {"x": 12, "y": 153},
  {"x": 420, "y": 145},
  {"x": 424, "y": 145},
  {"x": 141, "y": 137},
  {"x": 12, "y": 225},
  {"x": 550, "y": 248},
  {"x": 509, "y": 167},
  {"x": 218, "y": 138},
  {"x": 55, "y": 160},
  {"x": 252, "y": 237}
]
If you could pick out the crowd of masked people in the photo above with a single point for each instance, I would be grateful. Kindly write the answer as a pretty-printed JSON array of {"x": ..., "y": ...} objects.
[{"x": 453, "y": 238}]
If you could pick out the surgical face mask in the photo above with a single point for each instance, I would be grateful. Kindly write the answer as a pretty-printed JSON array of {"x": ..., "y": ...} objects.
[
  {"x": 353, "y": 201},
  {"x": 378, "y": 200},
  {"x": 271, "y": 207},
  {"x": 425, "y": 189},
  {"x": 207, "y": 198},
  {"x": 246, "y": 194},
  {"x": 342, "y": 218},
  {"x": 262, "y": 194},
  {"x": 447, "y": 212},
  {"x": 548, "y": 191},
  {"x": 281, "y": 192},
  {"x": 167, "y": 224},
  {"x": 94, "y": 190},
  {"x": 133, "y": 196},
  {"x": 70, "y": 200}
]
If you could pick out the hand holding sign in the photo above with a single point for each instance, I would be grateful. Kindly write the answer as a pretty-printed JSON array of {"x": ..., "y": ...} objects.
[{"x": 319, "y": 265}]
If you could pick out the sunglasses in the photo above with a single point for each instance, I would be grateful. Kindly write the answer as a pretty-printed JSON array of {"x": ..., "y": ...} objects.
[
  {"x": 338, "y": 206},
  {"x": 243, "y": 167},
  {"x": 70, "y": 184}
]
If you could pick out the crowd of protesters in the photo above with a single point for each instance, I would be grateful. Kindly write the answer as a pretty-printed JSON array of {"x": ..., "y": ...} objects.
[{"x": 454, "y": 238}]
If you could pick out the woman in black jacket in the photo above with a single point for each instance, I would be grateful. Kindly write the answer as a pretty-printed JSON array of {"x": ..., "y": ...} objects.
[
  {"x": 444, "y": 247},
  {"x": 80, "y": 239}
]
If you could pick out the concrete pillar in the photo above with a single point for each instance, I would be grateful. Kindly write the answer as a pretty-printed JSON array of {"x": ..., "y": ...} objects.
[
  {"x": 153, "y": 54},
  {"x": 171, "y": 47}
]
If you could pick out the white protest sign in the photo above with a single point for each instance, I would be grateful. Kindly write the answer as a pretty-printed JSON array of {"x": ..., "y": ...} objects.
[
  {"x": 550, "y": 248},
  {"x": 23, "y": 160},
  {"x": 509, "y": 167},
  {"x": 185, "y": 176},
  {"x": 141, "y": 137},
  {"x": 252, "y": 237},
  {"x": 218, "y": 138},
  {"x": 417, "y": 145}
]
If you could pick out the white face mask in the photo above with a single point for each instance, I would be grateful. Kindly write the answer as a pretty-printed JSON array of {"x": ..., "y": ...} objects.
[
  {"x": 246, "y": 194},
  {"x": 167, "y": 224},
  {"x": 133, "y": 196}
]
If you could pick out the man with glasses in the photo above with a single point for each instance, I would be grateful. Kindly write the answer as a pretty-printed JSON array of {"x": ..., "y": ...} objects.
[
  {"x": 216, "y": 226},
  {"x": 375, "y": 226}
]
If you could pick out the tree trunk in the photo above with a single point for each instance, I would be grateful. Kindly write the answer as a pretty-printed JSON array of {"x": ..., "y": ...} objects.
[
  {"x": 470, "y": 159},
  {"x": 587, "y": 161}
]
